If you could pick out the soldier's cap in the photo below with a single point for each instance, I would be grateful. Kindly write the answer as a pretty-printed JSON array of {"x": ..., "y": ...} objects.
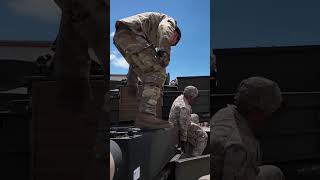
[
  {"x": 195, "y": 117},
  {"x": 259, "y": 93},
  {"x": 190, "y": 91},
  {"x": 179, "y": 35}
]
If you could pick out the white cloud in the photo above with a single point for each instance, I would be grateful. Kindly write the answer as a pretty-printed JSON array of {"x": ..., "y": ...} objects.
[
  {"x": 118, "y": 61},
  {"x": 45, "y": 10},
  {"x": 112, "y": 34}
]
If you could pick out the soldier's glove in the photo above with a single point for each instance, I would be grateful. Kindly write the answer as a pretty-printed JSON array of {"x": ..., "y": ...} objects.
[
  {"x": 161, "y": 53},
  {"x": 163, "y": 56}
]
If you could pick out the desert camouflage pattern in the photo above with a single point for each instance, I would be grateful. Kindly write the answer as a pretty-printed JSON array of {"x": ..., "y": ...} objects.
[
  {"x": 155, "y": 28},
  {"x": 197, "y": 138},
  {"x": 235, "y": 152},
  {"x": 145, "y": 65},
  {"x": 190, "y": 131}
]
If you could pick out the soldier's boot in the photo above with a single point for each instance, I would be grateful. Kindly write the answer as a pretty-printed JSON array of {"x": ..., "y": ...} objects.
[{"x": 148, "y": 121}]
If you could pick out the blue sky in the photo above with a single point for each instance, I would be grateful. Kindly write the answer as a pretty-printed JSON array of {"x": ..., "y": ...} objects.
[
  {"x": 29, "y": 20},
  {"x": 191, "y": 56},
  {"x": 251, "y": 23},
  {"x": 245, "y": 23}
]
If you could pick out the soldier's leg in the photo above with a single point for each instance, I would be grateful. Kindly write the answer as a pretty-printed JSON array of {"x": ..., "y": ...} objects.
[
  {"x": 152, "y": 84},
  {"x": 137, "y": 51},
  {"x": 132, "y": 80},
  {"x": 269, "y": 172},
  {"x": 126, "y": 43},
  {"x": 198, "y": 138},
  {"x": 132, "y": 77}
]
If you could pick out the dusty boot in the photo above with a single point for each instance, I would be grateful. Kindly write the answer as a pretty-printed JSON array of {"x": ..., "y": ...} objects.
[{"x": 148, "y": 121}]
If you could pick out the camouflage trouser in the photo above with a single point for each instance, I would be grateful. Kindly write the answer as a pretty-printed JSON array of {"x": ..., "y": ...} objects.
[
  {"x": 269, "y": 172},
  {"x": 145, "y": 64},
  {"x": 198, "y": 138}
]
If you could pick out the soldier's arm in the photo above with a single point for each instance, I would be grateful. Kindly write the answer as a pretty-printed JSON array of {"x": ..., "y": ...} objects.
[
  {"x": 219, "y": 136},
  {"x": 174, "y": 115},
  {"x": 184, "y": 122},
  {"x": 234, "y": 163},
  {"x": 166, "y": 30}
]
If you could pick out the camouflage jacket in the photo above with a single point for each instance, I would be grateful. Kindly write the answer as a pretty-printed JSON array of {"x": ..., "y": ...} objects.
[
  {"x": 235, "y": 152},
  {"x": 156, "y": 28},
  {"x": 180, "y": 116}
]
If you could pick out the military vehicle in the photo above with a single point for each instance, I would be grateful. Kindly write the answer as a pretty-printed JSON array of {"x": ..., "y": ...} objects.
[{"x": 156, "y": 154}]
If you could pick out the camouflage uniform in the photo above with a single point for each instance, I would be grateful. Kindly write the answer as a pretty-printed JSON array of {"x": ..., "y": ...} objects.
[
  {"x": 235, "y": 152},
  {"x": 180, "y": 116},
  {"x": 136, "y": 38}
]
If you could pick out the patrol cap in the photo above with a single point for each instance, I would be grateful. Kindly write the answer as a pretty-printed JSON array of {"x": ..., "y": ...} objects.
[
  {"x": 259, "y": 93},
  {"x": 190, "y": 91},
  {"x": 195, "y": 118}
]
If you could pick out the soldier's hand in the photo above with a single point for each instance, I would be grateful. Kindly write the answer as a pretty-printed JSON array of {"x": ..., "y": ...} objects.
[
  {"x": 163, "y": 56},
  {"x": 164, "y": 61},
  {"x": 160, "y": 53}
]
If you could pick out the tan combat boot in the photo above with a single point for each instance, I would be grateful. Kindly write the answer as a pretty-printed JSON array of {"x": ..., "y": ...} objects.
[{"x": 148, "y": 121}]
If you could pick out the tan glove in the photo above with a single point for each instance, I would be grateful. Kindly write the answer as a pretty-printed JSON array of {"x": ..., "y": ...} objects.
[{"x": 163, "y": 57}]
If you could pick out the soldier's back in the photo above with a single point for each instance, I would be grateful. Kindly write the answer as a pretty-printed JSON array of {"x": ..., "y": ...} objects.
[
  {"x": 223, "y": 133},
  {"x": 144, "y": 24}
]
